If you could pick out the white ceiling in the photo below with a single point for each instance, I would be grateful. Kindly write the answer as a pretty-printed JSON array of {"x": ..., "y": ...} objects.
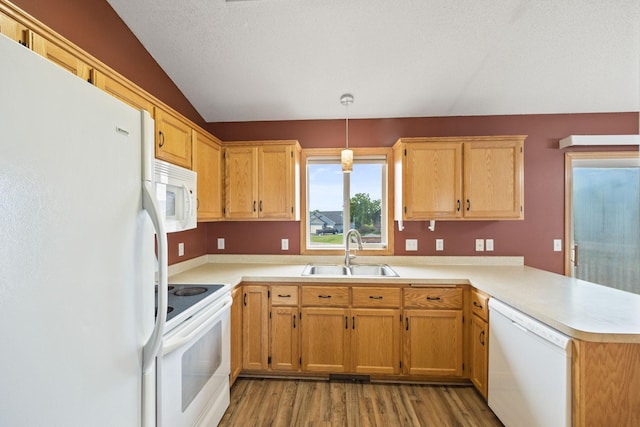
[{"x": 292, "y": 59}]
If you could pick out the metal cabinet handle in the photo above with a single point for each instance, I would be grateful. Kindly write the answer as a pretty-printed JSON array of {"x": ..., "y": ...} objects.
[
  {"x": 245, "y": 299},
  {"x": 161, "y": 139},
  {"x": 260, "y": 206},
  {"x": 433, "y": 298},
  {"x": 458, "y": 205},
  {"x": 482, "y": 338},
  {"x": 468, "y": 205},
  {"x": 374, "y": 297},
  {"x": 254, "y": 205},
  {"x": 294, "y": 321},
  {"x": 324, "y": 296},
  {"x": 284, "y": 296},
  {"x": 475, "y": 304},
  {"x": 353, "y": 322},
  {"x": 406, "y": 323},
  {"x": 346, "y": 322}
]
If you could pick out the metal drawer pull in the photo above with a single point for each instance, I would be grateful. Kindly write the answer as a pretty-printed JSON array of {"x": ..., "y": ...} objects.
[
  {"x": 433, "y": 298},
  {"x": 475, "y": 304},
  {"x": 373, "y": 297},
  {"x": 284, "y": 296},
  {"x": 324, "y": 296}
]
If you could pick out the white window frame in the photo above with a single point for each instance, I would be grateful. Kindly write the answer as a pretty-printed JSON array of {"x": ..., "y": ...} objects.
[{"x": 362, "y": 155}]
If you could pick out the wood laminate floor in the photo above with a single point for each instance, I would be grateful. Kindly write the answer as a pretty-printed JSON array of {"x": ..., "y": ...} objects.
[{"x": 276, "y": 402}]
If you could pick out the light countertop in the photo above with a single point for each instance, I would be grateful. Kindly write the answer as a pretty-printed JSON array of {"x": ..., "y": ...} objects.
[{"x": 574, "y": 307}]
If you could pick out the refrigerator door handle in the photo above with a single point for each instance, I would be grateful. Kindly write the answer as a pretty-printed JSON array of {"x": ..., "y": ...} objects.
[{"x": 152, "y": 346}]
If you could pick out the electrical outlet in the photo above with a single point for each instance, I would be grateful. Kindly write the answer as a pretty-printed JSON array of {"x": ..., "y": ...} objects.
[
  {"x": 488, "y": 244},
  {"x": 557, "y": 245},
  {"x": 411, "y": 245},
  {"x": 284, "y": 243},
  {"x": 220, "y": 243},
  {"x": 180, "y": 249},
  {"x": 479, "y": 245},
  {"x": 439, "y": 244}
]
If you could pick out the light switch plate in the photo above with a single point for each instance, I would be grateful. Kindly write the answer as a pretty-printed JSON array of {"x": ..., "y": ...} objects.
[
  {"x": 220, "y": 243},
  {"x": 411, "y": 244},
  {"x": 439, "y": 244},
  {"x": 284, "y": 243},
  {"x": 479, "y": 245},
  {"x": 488, "y": 244},
  {"x": 180, "y": 249},
  {"x": 557, "y": 245}
]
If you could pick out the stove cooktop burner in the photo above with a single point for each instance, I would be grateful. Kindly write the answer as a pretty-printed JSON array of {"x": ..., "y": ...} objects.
[
  {"x": 183, "y": 297},
  {"x": 190, "y": 291}
]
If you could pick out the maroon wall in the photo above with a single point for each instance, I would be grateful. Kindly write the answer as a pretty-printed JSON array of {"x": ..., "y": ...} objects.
[
  {"x": 96, "y": 28},
  {"x": 544, "y": 179}
]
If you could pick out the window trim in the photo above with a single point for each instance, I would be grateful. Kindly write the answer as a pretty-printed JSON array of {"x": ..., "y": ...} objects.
[{"x": 304, "y": 215}]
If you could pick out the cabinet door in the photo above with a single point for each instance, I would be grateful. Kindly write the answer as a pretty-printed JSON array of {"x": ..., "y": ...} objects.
[
  {"x": 479, "y": 354},
  {"x": 275, "y": 182},
  {"x": 173, "y": 139},
  {"x": 284, "y": 338},
  {"x": 255, "y": 328},
  {"x": 241, "y": 182},
  {"x": 325, "y": 339},
  {"x": 120, "y": 91},
  {"x": 493, "y": 179},
  {"x": 12, "y": 29},
  {"x": 236, "y": 334},
  {"x": 433, "y": 180},
  {"x": 375, "y": 341},
  {"x": 207, "y": 162},
  {"x": 433, "y": 342},
  {"x": 58, "y": 55}
]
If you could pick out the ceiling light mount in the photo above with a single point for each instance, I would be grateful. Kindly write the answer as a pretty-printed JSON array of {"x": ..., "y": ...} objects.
[{"x": 346, "y": 156}]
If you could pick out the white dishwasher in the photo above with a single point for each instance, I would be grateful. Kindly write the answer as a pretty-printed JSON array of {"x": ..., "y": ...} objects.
[{"x": 529, "y": 370}]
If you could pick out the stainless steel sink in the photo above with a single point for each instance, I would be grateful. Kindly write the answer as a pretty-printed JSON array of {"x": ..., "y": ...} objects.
[
  {"x": 370, "y": 270},
  {"x": 325, "y": 270}
]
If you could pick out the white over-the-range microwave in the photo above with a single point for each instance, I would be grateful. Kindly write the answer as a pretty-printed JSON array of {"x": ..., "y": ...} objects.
[{"x": 176, "y": 193}]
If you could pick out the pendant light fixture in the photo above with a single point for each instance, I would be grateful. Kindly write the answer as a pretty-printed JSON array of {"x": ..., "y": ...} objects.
[{"x": 346, "y": 156}]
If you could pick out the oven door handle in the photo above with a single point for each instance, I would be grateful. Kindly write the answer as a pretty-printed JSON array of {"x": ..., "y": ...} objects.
[{"x": 187, "y": 334}]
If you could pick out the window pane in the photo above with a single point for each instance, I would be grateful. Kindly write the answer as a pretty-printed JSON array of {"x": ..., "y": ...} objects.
[
  {"x": 366, "y": 201},
  {"x": 325, "y": 198}
]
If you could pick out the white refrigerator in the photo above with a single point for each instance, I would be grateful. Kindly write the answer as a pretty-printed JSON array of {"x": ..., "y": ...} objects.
[{"x": 77, "y": 252}]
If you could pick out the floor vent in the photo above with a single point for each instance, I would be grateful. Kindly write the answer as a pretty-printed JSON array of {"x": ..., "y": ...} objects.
[{"x": 350, "y": 378}]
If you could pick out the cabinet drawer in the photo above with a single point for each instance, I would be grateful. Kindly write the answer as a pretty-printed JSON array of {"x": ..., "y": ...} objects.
[
  {"x": 433, "y": 298},
  {"x": 479, "y": 304},
  {"x": 376, "y": 297},
  {"x": 336, "y": 296},
  {"x": 284, "y": 295}
]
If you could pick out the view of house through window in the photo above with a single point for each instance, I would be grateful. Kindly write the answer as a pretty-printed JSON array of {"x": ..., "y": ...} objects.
[{"x": 337, "y": 202}]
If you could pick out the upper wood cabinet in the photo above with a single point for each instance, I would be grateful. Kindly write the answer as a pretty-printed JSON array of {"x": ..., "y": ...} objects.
[
  {"x": 13, "y": 29},
  {"x": 207, "y": 162},
  {"x": 121, "y": 91},
  {"x": 173, "y": 138},
  {"x": 58, "y": 55},
  {"x": 459, "y": 178},
  {"x": 262, "y": 180}
]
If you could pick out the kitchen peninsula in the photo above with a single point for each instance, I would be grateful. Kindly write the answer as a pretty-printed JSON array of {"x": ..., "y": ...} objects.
[{"x": 604, "y": 323}]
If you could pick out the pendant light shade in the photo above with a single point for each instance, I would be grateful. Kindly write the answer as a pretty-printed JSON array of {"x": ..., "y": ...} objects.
[{"x": 346, "y": 157}]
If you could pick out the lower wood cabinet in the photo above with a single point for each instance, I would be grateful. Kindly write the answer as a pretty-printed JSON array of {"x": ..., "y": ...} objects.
[
  {"x": 284, "y": 336},
  {"x": 433, "y": 342},
  {"x": 325, "y": 339},
  {"x": 479, "y": 354},
  {"x": 255, "y": 327},
  {"x": 375, "y": 340},
  {"x": 433, "y": 332}
]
